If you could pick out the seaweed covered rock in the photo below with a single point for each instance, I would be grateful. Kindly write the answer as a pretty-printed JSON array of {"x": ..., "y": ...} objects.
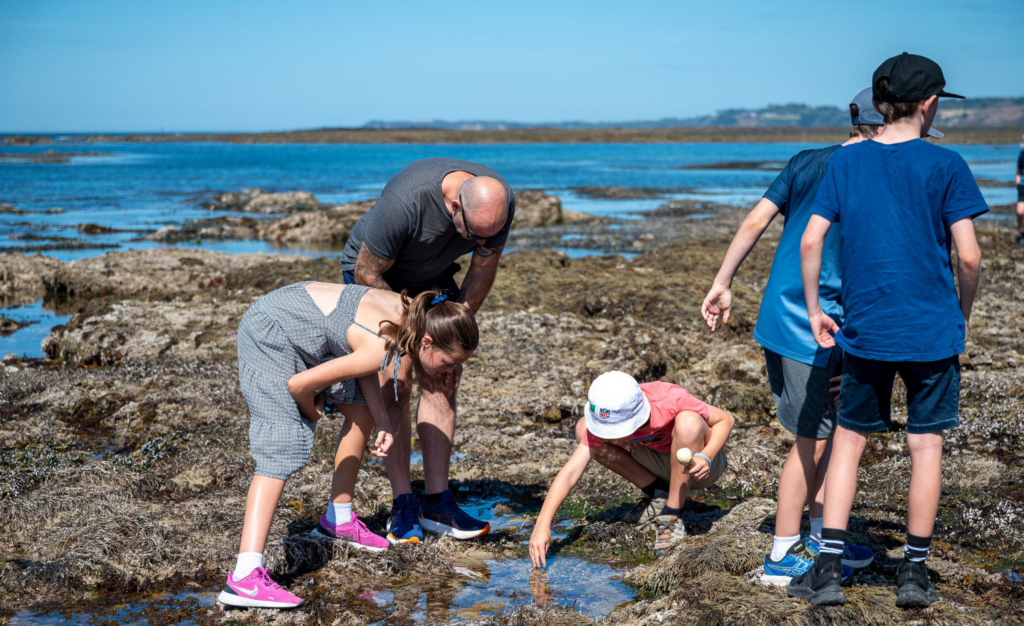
[{"x": 266, "y": 202}]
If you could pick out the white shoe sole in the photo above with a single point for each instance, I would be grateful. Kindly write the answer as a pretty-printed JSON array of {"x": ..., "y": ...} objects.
[
  {"x": 395, "y": 541},
  {"x": 230, "y": 599},
  {"x": 440, "y": 529},
  {"x": 358, "y": 546},
  {"x": 775, "y": 581}
]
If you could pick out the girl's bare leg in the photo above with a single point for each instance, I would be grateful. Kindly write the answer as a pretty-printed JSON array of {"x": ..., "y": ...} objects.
[
  {"x": 260, "y": 505},
  {"x": 349, "y": 455}
]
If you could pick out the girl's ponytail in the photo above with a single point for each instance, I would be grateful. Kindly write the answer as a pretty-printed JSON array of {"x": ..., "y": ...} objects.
[{"x": 451, "y": 326}]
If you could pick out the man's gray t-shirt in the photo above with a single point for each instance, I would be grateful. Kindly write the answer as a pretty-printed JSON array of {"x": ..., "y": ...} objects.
[{"x": 410, "y": 224}]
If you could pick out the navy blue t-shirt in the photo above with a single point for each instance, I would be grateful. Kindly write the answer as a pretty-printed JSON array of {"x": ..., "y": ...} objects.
[
  {"x": 1020, "y": 162},
  {"x": 895, "y": 204},
  {"x": 782, "y": 324}
]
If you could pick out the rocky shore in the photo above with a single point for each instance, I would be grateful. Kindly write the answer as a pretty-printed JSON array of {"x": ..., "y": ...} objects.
[{"x": 125, "y": 456}]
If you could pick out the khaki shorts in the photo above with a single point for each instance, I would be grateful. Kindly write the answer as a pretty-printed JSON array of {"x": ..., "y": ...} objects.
[{"x": 659, "y": 464}]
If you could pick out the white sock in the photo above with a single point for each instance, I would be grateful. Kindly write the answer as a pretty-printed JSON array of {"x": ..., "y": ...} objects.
[
  {"x": 781, "y": 545},
  {"x": 339, "y": 513},
  {"x": 246, "y": 563},
  {"x": 816, "y": 528}
]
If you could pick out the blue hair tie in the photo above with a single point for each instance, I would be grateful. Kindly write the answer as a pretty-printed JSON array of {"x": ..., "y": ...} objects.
[{"x": 438, "y": 299}]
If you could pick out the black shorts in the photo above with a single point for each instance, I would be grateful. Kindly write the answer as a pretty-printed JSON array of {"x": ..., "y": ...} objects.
[
  {"x": 1020, "y": 193},
  {"x": 444, "y": 283},
  {"x": 933, "y": 394}
]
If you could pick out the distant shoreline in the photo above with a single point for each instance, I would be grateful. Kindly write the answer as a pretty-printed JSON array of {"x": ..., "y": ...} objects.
[{"x": 962, "y": 135}]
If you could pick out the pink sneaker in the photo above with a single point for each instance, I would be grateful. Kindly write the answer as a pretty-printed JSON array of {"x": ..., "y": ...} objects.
[
  {"x": 354, "y": 533},
  {"x": 257, "y": 590}
]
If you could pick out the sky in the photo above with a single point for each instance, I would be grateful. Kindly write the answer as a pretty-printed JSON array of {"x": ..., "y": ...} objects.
[{"x": 109, "y": 66}]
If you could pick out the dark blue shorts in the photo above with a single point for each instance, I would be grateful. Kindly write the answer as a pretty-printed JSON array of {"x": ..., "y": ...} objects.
[
  {"x": 445, "y": 284},
  {"x": 933, "y": 394}
]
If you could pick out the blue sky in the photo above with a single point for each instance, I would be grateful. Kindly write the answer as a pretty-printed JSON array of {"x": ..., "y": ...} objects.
[{"x": 187, "y": 66}]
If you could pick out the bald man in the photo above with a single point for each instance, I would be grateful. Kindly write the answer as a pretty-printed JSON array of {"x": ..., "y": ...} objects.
[{"x": 430, "y": 214}]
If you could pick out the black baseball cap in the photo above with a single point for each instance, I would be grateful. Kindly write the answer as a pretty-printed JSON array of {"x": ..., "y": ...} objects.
[{"x": 911, "y": 78}]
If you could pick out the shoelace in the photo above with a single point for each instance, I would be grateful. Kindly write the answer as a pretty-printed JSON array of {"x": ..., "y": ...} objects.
[
  {"x": 670, "y": 531},
  {"x": 265, "y": 578},
  {"x": 360, "y": 528},
  {"x": 408, "y": 514}
]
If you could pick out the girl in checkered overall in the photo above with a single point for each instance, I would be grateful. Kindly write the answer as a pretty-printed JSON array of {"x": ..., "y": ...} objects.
[{"x": 313, "y": 345}]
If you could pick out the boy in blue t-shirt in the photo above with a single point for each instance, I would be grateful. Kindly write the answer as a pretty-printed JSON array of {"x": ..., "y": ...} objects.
[
  {"x": 801, "y": 373},
  {"x": 900, "y": 203}
]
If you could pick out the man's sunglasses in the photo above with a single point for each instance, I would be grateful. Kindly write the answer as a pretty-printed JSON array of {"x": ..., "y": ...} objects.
[{"x": 465, "y": 224}]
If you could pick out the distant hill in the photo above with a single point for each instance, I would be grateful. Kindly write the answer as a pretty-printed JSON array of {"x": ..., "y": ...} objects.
[{"x": 978, "y": 112}]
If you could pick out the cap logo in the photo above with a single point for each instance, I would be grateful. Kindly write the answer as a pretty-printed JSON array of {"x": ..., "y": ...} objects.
[{"x": 601, "y": 414}]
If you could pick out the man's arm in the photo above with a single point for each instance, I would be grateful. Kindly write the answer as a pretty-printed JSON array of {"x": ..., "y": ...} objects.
[
  {"x": 480, "y": 277},
  {"x": 370, "y": 268},
  {"x": 968, "y": 264},
  {"x": 811, "y": 245},
  {"x": 718, "y": 302},
  {"x": 567, "y": 478}
]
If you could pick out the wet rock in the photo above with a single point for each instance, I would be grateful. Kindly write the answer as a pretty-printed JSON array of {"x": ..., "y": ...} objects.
[
  {"x": 96, "y": 229},
  {"x": 218, "y": 228},
  {"x": 535, "y": 208},
  {"x": 616, "y": 192},
  {"x": 23, "y": 278},
  {"x": 329, "y": 227},
  {"x": 154, "y": 272},
  {"x": 8, "y": 326},
  {"x": 265, "y": 202}
]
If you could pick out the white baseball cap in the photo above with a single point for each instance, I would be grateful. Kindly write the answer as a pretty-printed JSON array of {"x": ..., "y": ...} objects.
[{"x": 616, "y": 407}]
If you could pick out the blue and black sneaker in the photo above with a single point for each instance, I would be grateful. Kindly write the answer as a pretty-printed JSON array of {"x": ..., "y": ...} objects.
[
  {"x": 446, "y": 518},
  {"x": 853, "y": 555},
  {"x": 403, "y": 525},
  {"x": 798, "y": 560}
]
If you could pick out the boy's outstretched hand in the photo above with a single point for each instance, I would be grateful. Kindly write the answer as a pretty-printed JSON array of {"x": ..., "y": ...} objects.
[
  {"x": 539, "y": 541},
  {"x": 823, "y": 328},
  {"x": 383, "y": 443},
  {"x": 718, "y": 303}
]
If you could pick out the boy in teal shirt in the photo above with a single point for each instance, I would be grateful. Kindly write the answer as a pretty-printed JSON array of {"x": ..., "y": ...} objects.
[{"x": 800, "y": 372}]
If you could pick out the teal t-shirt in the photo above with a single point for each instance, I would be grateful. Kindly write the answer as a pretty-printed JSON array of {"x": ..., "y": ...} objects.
[
  {"x": 893, "y": 206},
  {"x": 782, "y": 324}
]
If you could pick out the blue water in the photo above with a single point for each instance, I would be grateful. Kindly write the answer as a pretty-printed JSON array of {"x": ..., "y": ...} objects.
[
  {"x": 147, "y": 186},
  {"x": 27, "y": 340}
]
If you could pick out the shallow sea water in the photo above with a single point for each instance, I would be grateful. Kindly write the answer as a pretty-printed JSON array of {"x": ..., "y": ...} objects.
[{"x": 476, "y": 589}]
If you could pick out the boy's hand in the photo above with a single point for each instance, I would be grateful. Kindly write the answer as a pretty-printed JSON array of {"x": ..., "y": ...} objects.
[
  {"x": 699, "y": 468},
  {"x": 539, "y": 541},
  {"x": 383, "y": 443},
  {"x": 837, "y": 381},
  {"x": 823, "y": 328},
  {"x": 718, "y": 303}
]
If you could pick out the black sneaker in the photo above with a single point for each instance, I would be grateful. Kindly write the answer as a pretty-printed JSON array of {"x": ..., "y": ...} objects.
[
  {"x": 916, "y": 590},
  {"x": 1019, "y": 239},
  {"x": 820, "y": 586}
]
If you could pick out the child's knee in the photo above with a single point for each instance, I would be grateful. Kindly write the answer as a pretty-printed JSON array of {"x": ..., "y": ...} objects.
[
  {"x": 924, "y": 443},
  {"x": 690, "y": 429}
]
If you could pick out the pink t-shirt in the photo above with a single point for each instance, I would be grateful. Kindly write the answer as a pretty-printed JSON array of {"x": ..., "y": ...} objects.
[{"x": 667, "y": 401}]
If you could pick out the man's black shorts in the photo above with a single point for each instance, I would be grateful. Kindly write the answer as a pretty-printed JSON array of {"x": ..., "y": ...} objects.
[
  {"x": 1020, "y": 193},
  {"x": 933, "y": 394},
  {"x": 445, "y": 284}
]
